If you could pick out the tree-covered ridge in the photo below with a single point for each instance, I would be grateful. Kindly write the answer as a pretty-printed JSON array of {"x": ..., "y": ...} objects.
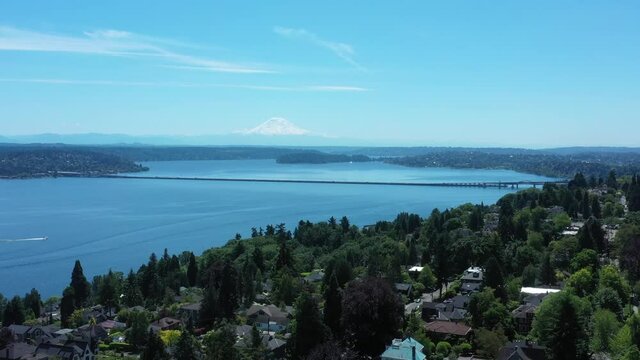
[
  {"x": 596, "y": 164},
  {"x": 316, "y": 157},
  {"x": 53, "y": 162},
  {"x": 354, "y": 311}
]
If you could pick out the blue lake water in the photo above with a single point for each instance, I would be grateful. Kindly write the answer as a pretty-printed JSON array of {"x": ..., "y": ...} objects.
[{"x": 118, "y": 223}]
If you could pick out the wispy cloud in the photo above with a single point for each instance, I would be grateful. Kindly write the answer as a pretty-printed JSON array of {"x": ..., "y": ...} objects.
[
  {"x": 342, "y": 50},
  {"x": 114, "y": 43},
  {"x": 302, "y": 88}
]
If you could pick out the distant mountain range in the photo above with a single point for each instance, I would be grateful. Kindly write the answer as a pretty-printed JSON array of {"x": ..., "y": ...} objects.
[{"x": 282, "y": 133}]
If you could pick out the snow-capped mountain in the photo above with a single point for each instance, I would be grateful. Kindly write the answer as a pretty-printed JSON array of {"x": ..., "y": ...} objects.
[{"x": 276, "y": 127}]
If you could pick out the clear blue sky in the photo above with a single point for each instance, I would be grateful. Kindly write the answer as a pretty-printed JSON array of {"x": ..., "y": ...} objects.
[{"x": 517, "y": 73}]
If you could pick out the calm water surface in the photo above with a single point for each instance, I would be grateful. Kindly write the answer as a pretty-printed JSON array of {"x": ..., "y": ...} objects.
[{"x": 117, "y": 223}]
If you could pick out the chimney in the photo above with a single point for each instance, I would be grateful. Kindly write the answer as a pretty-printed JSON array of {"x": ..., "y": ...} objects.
[{"x": 413, "y": 352}]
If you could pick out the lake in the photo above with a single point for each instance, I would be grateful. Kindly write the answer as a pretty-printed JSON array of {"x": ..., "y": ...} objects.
[{"x": 118, "y": 223}]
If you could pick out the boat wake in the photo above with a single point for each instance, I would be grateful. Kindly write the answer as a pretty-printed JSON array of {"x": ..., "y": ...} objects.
[{"x": 23, "y": 240}]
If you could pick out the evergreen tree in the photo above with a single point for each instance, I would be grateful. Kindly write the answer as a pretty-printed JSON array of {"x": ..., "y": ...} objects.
[
  {"x": 494, "y": 278},
  {"x": 612, "y": 182},
  {"x": 187, "y": 347},
  {"x": 108, "y": 293},
  {"x": 219, "y": 344},
  {"x": 333, "y": 306},
  {"x": 546, "y": 273},
  {"x": 586, "y": 206},
  {"x": 209, "y": 311},
  {"x": 33, "y": 302},
  {"x": 80, "y": 285},
  {"x": 67, "y": 306},
  {"x": 132, "y": 293},
  {"x": 192, "y": 270},
  {"x": 596, "y": 210},
  {"x": 308, "y": 330},
  {"x": 344, "y": 224},
  {"x": 560, "y": 325},
  {"x": 372, "y": 312},
  {"x": 154, "y": 350},
  {"x": 137, "y": 332},
  {"x": 150, "y": 281},
  {"x": 14, "y": 312}
]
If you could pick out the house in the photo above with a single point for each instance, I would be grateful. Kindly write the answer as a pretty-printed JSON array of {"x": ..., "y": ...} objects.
[
  {"x": 430, "y": 310},
  {"x": 166, "y": 323},
  {"x": 91, "y": 333},
  {"x": 470, "y": 288},
  {"x": 523, "y": 316},
  {"x": 538, "y": 291},
  {"x": 68, "y": 350},
  {"x": 16, "y": 350},
  {"x": 190, "y": 313},
  {"x": 314, "y": 277},
  {"x": 534, "y": 299},
  {"x": 110, "y": 325},
  {"x": 473, "y": 274},
  {"x": 404, "y": 289},
  {"x": 458, "y": 302},
  {"x": 521, "y": 350},
  {"x": 33, "y": 334},
  {"x": 277, "y": 348},
  {"x": 407, "y": 349},
  {"x": 269, "y": 317},
  {"x": 440, "y": 329},
  {"x": 456, "y": 315}
]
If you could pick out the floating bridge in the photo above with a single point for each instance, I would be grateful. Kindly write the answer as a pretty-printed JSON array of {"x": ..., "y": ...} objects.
[{"x": 485, "y": 184}]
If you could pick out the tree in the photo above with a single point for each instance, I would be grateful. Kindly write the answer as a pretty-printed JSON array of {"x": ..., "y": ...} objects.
[
  {"x": 371, "y": 314},
  {"x": 186, "y": 348},
  {"x": 591, "y": 235},
  {"x": 605, "y": 326},
  {"x": 219, "y": 344},
  {"x": 332, "y": 350},
  {"x": 67, "y": 305},
  {"x": 494, "y": 278},
  {"x": 154, "y": 350},
  {"x": 108, "y": 294},
  {"x": 586, "y": 258},
  {"x": 132, "y": 292},
  {"x": 80, "y": 285},
  {"x": 489, "y": 342},
  {"x": 137, "y": 332},
  {"x": 3, "y": 304},
  {"x": 339, "y": 267},
  {"x": 596, "y": 210},
  {"x": 561, "y": 324},
  {"x": 192, "y": 270},
  {"x": 427, "y": 278},
  {"x": 608, "y": 299},
  {"x": 610, "y": 277},
  {"x": 344, "y": 224},
  {"x": 582, "y": 282},
  {"x": 33, "y": 302},
  {"x": 333, "y": 306},
  {"x": 546, "y": 274},
  {"x": 612, "y": 182},
  {"x": 627, "y": 244},
  {"x": 14, "y": 312},
  {"x": 308, "y": 328}
]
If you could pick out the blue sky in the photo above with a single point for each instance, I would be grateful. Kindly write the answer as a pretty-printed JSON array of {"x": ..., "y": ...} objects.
[{"x": 494, "y": 73}]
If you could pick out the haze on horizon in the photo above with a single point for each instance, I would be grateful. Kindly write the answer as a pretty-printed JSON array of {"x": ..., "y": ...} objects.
[{"x": 458, "y": 73}]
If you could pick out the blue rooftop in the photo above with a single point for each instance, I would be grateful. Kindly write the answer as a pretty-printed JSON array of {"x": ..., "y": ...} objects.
[{"x": 402, "y": 350}]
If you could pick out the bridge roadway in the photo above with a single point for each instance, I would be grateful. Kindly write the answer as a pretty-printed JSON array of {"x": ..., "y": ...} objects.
[{"x": 486, "y": 184}]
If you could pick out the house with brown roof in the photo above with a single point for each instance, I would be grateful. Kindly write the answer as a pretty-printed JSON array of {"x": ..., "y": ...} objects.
[
  {"x": 442, "y": 329},
  {"x": 166, "y": 323}
]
